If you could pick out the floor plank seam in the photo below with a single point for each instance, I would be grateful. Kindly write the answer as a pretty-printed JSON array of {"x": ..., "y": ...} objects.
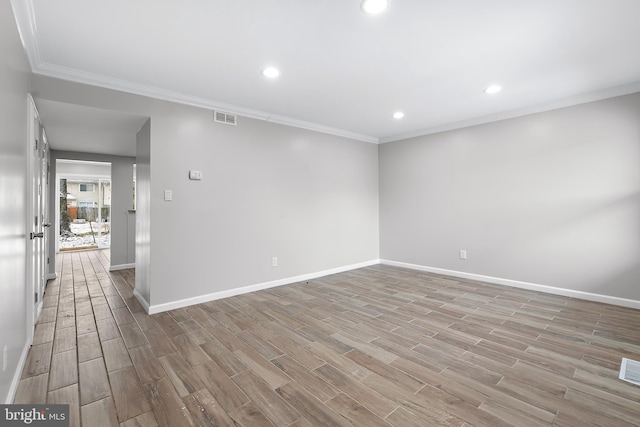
[{"x": 397, "y": 346}]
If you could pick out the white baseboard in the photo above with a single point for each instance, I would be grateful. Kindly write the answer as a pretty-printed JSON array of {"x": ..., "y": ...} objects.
[
  {"x": 158, "y": 308},
  {"x": 52, "y": 276},
  {"x": 122, "y": 267},
  {"x": 18, "y": 373},
  {"x": 607, "y": 299},
  {"x": 141, "y": 300}
]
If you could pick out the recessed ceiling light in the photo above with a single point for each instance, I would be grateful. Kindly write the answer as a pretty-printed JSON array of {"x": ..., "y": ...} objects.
[
  {"x": 493, "y": 89},
  {"x": 374, "y": 6},
  {"x": 398, "y": 115},
  {"x": 271, "y": 72}
]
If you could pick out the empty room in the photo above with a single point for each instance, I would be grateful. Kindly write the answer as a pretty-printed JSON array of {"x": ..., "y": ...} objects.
[{"x": 294, "y": 213}]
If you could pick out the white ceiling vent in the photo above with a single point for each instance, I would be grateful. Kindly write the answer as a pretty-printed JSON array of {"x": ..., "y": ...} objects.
[
  {"x": 630, "y": 371},
  {"x": 226, "y": 118}
]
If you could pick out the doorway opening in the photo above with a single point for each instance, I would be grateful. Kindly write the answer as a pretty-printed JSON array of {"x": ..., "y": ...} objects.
[{"x": 84, "y": 205}]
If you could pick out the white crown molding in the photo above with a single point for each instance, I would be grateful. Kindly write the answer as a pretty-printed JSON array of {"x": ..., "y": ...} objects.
[
  {"x": 26, "y": 22},
  {"x": 510, "y": 114},
  {"x": 25, "y": 19},
  {"x": 78, "y": 76},
  {"x": 607, "y": 299}
]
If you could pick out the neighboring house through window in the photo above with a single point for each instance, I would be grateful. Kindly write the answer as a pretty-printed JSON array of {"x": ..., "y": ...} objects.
[
  {"x": 86, "y": 204},
  {"x": 86, "y": 188}
]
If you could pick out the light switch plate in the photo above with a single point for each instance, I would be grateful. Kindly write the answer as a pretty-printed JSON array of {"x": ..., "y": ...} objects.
[{"x": 168, "y": 195}]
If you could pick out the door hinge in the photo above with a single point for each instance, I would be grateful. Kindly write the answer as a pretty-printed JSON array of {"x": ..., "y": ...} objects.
[
  {"x": 48, "y": 260},
  {"x": 36, "y": 294}
]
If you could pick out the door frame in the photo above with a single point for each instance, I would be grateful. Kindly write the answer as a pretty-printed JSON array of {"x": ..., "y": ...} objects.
[
  {"x": 88, "y": 176},
  {"x": 45, "y": 225},
  {"x": 36, "y": 202}
]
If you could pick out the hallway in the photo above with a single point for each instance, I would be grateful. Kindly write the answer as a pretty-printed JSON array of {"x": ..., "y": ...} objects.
[{"x": 82, "y": 309}]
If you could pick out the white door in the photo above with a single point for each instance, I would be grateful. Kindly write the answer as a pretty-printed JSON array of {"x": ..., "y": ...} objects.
[
  {"x": 43, "y": 156},
  {"x": 35, "y": 217}
]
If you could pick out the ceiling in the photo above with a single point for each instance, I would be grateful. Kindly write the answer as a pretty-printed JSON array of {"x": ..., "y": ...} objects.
[
  {"x": 343, "y": 71},
  {"x": 83, "y": 129}
]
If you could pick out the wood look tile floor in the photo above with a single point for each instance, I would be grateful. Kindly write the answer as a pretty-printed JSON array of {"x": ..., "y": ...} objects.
[{"x": 377, "y": 346}]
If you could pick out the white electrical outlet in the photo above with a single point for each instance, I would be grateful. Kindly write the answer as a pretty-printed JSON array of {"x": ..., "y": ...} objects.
[
  {"x": 274, "y": 261},
  {"x": 463, "y": 254},
  {"x": 4, "y": 358}
]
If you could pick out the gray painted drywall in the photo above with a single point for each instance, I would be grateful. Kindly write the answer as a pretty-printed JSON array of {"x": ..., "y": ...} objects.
[
  {"x": 78, "y": 169},
  {"x": 121, "y": 203},
  {"x": 268, "y": 190},
  {"x": 551, "y": 198},
  {"x": 14, "y": 86},
  {"x": 122, "y": 230},
  {"x": 143, "y": 212}
]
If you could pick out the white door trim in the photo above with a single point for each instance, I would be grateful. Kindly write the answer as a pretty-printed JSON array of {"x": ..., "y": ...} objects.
[
  {"x": 34, "y": 265},
  {"x": 30, "y": 288}
]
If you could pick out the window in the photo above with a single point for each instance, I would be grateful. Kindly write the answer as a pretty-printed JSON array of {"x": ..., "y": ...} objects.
[
  {"x": 86, "y": 188},
  {"x": 86, "y": 204}
]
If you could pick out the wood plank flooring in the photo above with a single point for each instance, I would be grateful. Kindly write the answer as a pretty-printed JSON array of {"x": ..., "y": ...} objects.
[{"x": 377, "y": 346}]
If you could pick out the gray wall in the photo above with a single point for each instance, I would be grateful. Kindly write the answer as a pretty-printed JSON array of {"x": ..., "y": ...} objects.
[
  {"x": 552, "y": 198},
  {"x": 14, "y": 86},
  {"x": 121, "y": 202},
  {"x": 77, "y": 169},
  {"x": 123, "y": 233},
  {"x": 268, "y": 190}
]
